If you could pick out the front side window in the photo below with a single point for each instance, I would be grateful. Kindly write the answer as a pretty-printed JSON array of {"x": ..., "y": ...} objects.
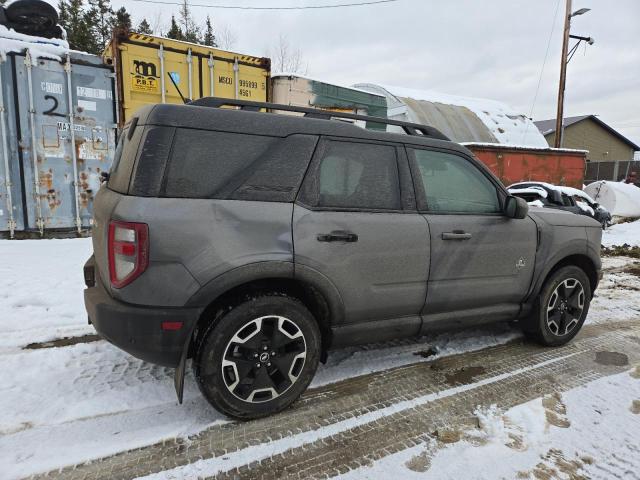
[
  {"x": 452, "y": 184},
  {"x": 358, "y": 176}
]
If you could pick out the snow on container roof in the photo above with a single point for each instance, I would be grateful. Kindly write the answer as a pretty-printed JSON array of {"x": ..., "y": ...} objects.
[
  {"x": 463, "y": 119},
  {"x": 40, "y": 47}
]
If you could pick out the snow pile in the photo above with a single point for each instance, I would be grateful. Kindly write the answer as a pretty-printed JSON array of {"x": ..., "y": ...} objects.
[
  {"x": 505, "y": 124},
  {"x": 621, "y": 199},
  {"x": 570, "y": 191},
  {"x": 585, "y": 207},
  {"x": 621, "y": 234},
  {"x": 490, "y": 422},
  {"x": 541, "y": 192},
  {"x": 523, "y": 147},
  {"x": 39, "y": 47}
]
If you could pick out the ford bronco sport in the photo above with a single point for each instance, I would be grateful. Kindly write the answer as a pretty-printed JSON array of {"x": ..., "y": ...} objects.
[{"x": 254, "y": 242}]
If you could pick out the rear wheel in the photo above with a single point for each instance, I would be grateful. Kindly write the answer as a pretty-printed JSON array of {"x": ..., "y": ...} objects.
[
  {"x": 259, "y": 357},
  {"x": 561, "y": 307}
]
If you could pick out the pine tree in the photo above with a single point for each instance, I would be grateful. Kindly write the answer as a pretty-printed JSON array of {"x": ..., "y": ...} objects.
[
  {"x": 73, "y": 19},
  {"x": 175, "y": 32},
  {"x": 144, "y": 27},
  {"x": 63, "y": 14},
  {"x": 122, "y": 20},
  {"x": 87, "y": 32},
  {"x": 209, "y": 38},
  {"x": 102, "y": 16},
  {"x": 190, "y": 30}
]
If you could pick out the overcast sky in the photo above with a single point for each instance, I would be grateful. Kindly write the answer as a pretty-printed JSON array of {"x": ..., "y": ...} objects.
[{"x": 490, "y": 48}]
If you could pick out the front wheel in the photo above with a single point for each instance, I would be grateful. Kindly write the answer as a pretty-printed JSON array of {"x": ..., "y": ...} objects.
[
  {"x": 259, "y": 357},
  {"x": 561, "y": 307}
]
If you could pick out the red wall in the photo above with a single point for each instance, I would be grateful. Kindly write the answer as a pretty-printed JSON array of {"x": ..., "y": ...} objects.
[{"x": 511, "y": 165}]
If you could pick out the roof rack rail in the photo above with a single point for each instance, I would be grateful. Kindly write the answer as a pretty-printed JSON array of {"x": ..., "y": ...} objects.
[{"x": 408, "y": 127}]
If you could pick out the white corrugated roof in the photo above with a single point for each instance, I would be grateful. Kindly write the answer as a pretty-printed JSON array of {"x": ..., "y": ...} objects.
[{"x": 466, "y": 119}]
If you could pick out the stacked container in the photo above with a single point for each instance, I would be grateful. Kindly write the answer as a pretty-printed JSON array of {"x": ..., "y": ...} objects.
[
  {"x": 58, "y": 133},
  {"x": 161, "y": 70}
]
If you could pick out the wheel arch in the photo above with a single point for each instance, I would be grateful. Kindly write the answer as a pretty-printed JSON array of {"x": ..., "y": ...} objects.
[
  {"x": 307, "y": 285},
  {"x": 580, "y": 260}
]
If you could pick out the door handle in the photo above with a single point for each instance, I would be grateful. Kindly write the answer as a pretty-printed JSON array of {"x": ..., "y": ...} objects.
[
  {"x": 456, "y": 235},
  {"x": 338, "y": 237}
]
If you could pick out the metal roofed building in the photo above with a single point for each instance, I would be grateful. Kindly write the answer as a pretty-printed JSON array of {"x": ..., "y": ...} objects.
[{"x": 462, "y": 119}]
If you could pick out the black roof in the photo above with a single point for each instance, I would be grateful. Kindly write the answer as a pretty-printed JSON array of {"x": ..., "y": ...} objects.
[
  {"x": 547, "y": 127},
  {"x": 273, "y": 124}
]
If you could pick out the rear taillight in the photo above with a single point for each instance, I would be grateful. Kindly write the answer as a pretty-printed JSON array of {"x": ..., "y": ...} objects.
[{"x": 128, "y": 251}]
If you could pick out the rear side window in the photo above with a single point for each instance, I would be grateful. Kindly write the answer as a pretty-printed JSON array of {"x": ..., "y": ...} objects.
[
  {"x": 208, "y": 164},
  {"x": 124, "y": 159},
  {"x": 353, "y": 175}
]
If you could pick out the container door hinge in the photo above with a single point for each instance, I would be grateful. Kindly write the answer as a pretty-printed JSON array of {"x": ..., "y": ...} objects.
[
  {"x": 236, "y": 69},
  {"x": 12, "y": 225},
  {"x": 27, "y": 60},
  {"x": 40, "y": 225}
]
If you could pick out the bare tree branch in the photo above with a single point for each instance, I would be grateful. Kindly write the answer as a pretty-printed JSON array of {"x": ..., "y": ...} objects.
[
  {"x": 286, "y": 58},
  {"x": 226, "y": 37}
]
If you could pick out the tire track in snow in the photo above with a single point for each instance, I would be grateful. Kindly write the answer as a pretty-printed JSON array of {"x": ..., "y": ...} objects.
[{"x": 331, "y": 404}]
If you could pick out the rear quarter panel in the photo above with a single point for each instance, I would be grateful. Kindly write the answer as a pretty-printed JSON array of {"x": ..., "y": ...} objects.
[{"x": 193, "y": 241}]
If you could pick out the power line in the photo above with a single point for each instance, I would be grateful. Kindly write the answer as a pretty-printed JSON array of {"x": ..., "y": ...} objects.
[
  {"x": 301, "y": 7},
  {"x": 546, "y": 54}
]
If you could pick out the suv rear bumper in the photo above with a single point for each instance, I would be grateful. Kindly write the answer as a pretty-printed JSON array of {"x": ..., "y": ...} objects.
[{"x": 139, "y": 330}]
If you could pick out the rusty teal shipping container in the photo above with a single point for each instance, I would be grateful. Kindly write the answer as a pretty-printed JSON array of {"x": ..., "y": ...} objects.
[
  {"x": 296, "y": 90},
  {"x": 58, "y": 133}
]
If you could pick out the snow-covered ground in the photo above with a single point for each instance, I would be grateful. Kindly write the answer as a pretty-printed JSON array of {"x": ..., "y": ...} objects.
[
  {"x": 588, "y": 432},
  {"x": 622, "y": 233},
  {"x": 84, "y": 401},
  {"x": 41, "y": 287},
  {"x": 65, "y": 405}
]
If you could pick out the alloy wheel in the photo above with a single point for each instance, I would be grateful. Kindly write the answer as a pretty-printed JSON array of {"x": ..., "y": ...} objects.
[
  {"x": 565, "y": 307},
  {"x": 264, "y": 359}
]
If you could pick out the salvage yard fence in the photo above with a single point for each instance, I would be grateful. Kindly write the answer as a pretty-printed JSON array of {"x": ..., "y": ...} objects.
[{"x": 615, "y": 170}]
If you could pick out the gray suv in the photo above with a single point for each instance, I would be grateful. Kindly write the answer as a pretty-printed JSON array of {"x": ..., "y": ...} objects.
[{"x": 255, "y": 242}]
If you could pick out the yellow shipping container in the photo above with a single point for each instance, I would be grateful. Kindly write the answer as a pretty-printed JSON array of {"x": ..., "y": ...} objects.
[{"x": 159, "y": 70}]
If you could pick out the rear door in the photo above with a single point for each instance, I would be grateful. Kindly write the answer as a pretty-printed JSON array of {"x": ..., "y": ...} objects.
[
  {"x": 355, "y": 222},
  {"x": 481, "y": 261}
]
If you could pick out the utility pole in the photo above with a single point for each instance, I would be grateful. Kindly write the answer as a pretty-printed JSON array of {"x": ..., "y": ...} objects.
[{"x": 563, "y": 76}]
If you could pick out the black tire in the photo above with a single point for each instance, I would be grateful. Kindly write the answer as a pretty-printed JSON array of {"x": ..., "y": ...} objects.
[
  {"x": 35, "y": 15},
  {"x": 238, "y": 339},
  {"x": 559, "y": 325}
]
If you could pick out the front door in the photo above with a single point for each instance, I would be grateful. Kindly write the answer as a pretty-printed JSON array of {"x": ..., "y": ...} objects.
[
  {"x": 351, "y": 225},
  {"x": 481, "y": 261}
]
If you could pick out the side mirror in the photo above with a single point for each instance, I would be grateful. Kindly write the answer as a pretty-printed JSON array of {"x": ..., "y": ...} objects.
[
  {"x": 104, "y": 177},
  {"x": 515, "y": 207}
]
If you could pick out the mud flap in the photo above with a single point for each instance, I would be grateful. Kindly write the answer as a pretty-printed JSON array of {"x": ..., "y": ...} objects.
[{"x": 178, "y": 374}]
